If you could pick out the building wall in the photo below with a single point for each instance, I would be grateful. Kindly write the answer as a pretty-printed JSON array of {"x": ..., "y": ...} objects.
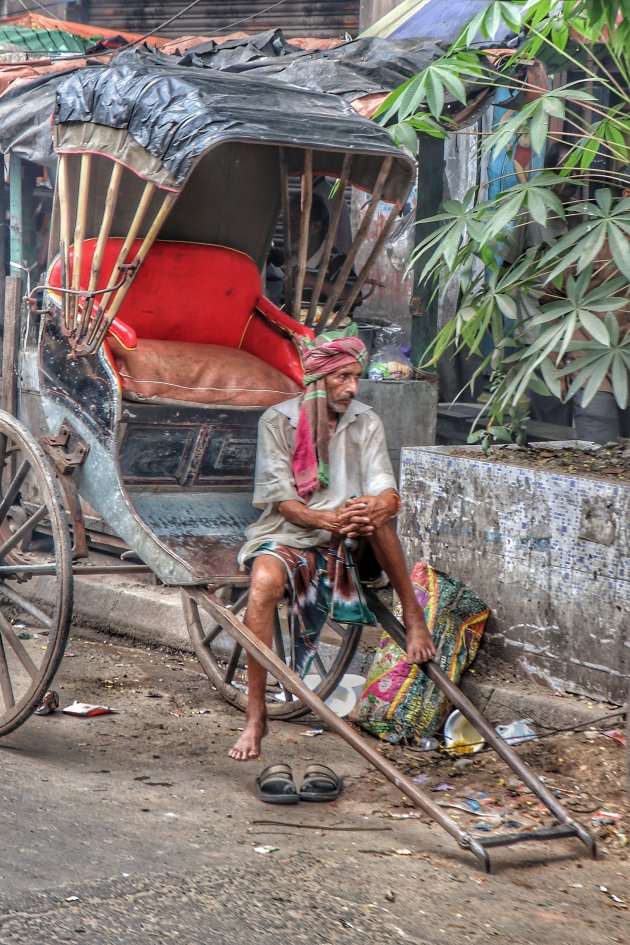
[
  {"x": 548, "y": 552},
  {"x": 321, "y": 18}
]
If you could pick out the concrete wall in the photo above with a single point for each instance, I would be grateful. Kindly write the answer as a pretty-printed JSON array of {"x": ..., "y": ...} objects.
[
  {"x": 408, "y": 410},
  {"x": 548, "y": 552}
]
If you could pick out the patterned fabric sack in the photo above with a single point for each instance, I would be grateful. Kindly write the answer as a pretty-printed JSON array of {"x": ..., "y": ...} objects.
[{"x": 399, "y": 703}]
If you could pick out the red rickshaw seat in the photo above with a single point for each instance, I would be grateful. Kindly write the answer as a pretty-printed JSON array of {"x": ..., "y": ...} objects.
[{"x": 198, "y": 293}]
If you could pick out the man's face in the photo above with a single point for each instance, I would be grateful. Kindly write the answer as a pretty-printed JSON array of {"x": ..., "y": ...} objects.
[{"x": 342, "y": 387}]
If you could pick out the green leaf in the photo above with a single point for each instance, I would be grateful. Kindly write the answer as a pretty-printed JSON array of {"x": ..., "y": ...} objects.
[
  {"x": 612, "y": 324},
  {"x": 537, "y": 206},
  {"x": 620, "y": 249},
  {"x": 596, "y": 379},
  {"x": 594, "y": 326},
  {"x": 501, "y": 433},
  {"x": 455, "y": 85},
  {"x": 551, "y": 377},
  {"x": 435, "y": 94},
  {"x": 588, "y": 152},
  {"x": 476, "y": 435},
  {"x": 619, "y": 379},
  {"x": 507, "y": 305},
  {"x": 404, "y": 136}
]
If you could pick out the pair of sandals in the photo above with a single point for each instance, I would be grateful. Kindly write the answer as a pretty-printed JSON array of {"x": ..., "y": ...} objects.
[{"x": 275, "y": 784}]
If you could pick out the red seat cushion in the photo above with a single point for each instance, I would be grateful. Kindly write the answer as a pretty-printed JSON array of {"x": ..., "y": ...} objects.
[{"x": 192, "y": 292}]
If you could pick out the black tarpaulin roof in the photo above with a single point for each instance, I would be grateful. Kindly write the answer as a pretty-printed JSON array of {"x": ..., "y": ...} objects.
[{"x": 177, "y": 113}]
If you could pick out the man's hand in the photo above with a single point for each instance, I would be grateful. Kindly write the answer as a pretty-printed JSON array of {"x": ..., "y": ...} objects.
[
  {"x": 361, "y": 516},
  {"x": 299, "y": 514}
]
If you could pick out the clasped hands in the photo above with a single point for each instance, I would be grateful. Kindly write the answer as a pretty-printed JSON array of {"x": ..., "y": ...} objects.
[{"x": 361, "y": 516}]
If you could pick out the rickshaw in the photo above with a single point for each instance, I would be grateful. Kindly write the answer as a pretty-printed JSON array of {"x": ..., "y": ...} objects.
[{"x": 170, "y": 185}]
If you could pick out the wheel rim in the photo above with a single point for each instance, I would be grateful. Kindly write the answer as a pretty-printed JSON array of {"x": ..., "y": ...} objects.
[
  {"x": 224, "y": 661},
  {"x": 35, "y": 574}
]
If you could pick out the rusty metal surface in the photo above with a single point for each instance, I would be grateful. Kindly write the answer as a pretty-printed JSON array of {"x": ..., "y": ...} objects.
[
  {"x": 211, "y": 18},
  {"x": 203, "y": 530}
]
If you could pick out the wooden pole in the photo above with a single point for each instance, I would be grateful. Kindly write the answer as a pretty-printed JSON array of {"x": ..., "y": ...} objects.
[
  {"x": 287, "y": 242},
  {"x": 143, "y": 249},
  {"x": 79, "y": 235},
  {"x": 366, "y": 223},
  {"x": 363, "y": 274},
  {"x": 114, "y": 276},
  {"x": 97, "y": 260},
  {"x": 305, "y": 226},
  {"x": 64, "y": 234},
  {"x": 424, "y": 310},
  {"x": 330, "y": 236},
  {"x": 12, "y": 308}
]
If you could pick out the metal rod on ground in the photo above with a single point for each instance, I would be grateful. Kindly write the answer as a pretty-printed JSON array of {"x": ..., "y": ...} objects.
[
  {"x": 267, "y": 658},
  {"x": 454, "y": 694}
]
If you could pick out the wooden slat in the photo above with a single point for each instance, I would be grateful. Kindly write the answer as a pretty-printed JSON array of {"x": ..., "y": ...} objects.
[
  {"x": 144, "y": 248},
  {"x": 287, "y": 242},
  {"x": 65, "y": 238},
  {"x": 79, "y": 235},
  {"x": 363, "y": 230},
  {"x": 111, "y": 200},
  {"x": 340, "y": 199},
  {"x": 305, "y": 224}
]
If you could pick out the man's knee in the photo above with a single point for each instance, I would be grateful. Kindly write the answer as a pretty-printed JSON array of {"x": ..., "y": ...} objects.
[{"x": 268, "y": 580}]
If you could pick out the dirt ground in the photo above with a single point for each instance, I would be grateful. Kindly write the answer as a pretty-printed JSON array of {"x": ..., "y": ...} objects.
[
  {"x": 585, "y": 769},
  {"x": 150, "y": 791},
  {"x": 608, "y": 462}
]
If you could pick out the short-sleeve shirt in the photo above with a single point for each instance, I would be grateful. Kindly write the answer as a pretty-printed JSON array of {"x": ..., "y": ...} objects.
[{"x": 358, "y": 463}]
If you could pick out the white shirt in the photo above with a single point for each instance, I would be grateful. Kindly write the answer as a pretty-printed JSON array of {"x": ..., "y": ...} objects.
[{"x": 359, "y": 464}]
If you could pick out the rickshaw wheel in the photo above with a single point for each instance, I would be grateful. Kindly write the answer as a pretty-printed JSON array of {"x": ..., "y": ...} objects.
[
  {"x": 224, "y": 661},
  {"x": 35, "y": 574}
]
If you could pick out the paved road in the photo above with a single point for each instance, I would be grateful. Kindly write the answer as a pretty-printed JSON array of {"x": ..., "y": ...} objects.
[{"x": 137, "y": 828}]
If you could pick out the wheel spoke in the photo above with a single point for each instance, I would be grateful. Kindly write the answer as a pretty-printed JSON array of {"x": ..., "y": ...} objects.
[
  {"x": 240, "y": 602},
  {"x": 13, "y": 489},
  {"x": 233, "y": 663},
  {"x": 26, "y": 605},
  {"x": 320, "y": 664},
  {"x": 212, "y": 635},
  {"x": 281, "y": 652},
  {"x": 20, "y": 650},
  {"x": 5, "y": 679},
  {"x": 23, "y": 530}
]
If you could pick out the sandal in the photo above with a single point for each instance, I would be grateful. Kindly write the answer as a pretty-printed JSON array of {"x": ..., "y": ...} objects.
[
  {"x": 320, "y": 784},
  {"x": 275, "y": 785}
]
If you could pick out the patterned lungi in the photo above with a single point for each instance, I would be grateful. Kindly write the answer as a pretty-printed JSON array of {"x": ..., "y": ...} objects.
[{"x": 322, "y": 582}]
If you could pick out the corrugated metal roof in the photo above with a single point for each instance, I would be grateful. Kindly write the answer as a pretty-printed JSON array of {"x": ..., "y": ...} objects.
[
  {"x": 42, "y": 41},
  {"x": 319, "y": 18}
]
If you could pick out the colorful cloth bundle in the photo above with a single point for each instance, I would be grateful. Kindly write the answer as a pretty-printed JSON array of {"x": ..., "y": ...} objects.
[{"x": 399, "y": 703}]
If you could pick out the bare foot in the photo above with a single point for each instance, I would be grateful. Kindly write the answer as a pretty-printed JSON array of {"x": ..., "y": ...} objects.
[
  {"x": 247, "y": 746},
  {"x": 420, "y": 646}
]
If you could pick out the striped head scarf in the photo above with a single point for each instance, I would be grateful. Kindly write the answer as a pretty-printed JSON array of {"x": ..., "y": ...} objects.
[{"x": 324, "y": 355}]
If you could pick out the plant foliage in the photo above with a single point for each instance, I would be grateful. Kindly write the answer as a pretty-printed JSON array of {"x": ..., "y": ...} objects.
[{"x": 557, "y": 312}]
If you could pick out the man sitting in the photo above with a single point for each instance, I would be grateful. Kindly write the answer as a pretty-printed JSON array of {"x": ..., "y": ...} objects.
[{"x": 324, "y": 481}]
